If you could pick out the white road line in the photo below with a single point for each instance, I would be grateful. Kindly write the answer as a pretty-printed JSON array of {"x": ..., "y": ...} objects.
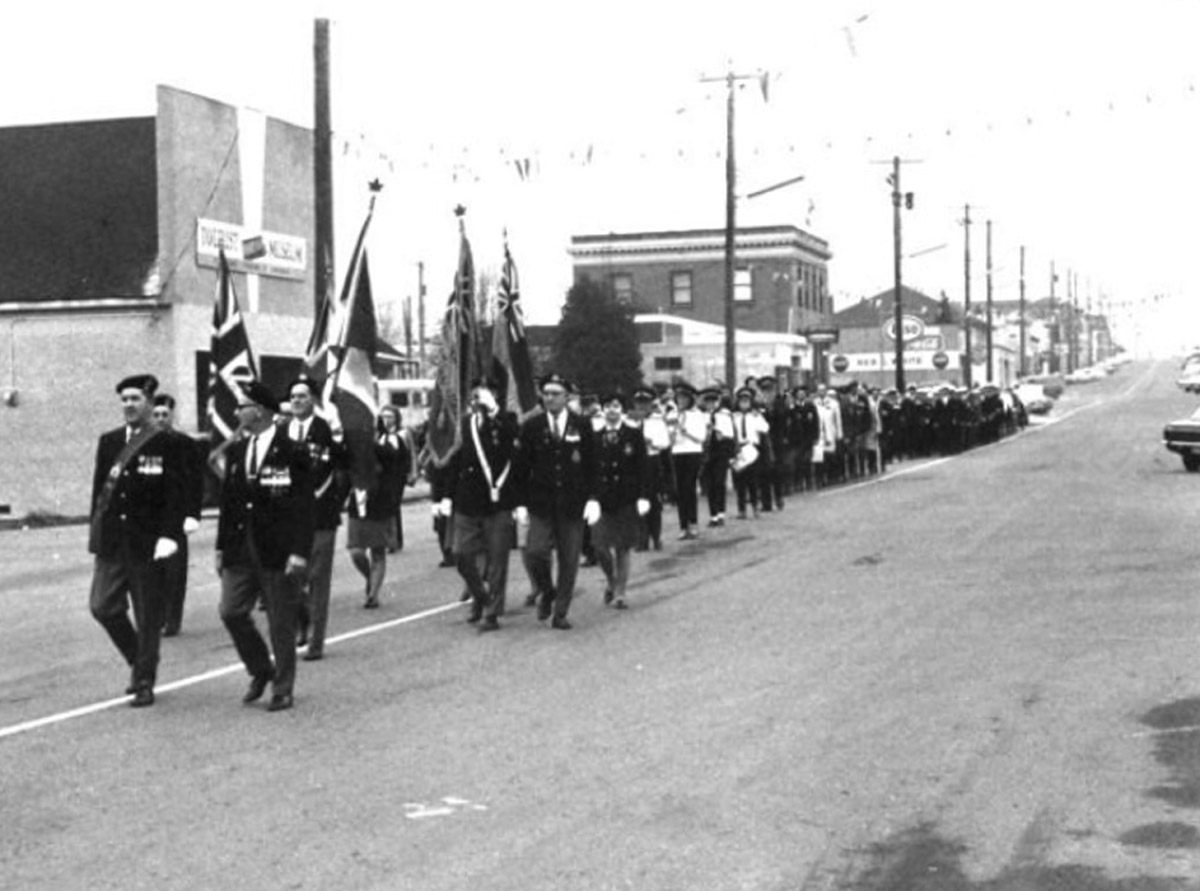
[{"x": 86, "y": 710}]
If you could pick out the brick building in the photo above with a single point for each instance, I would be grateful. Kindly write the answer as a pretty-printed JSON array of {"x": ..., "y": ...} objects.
[
  {"x": 780, "y": 274},
  {"x": 109, "y": 244}
]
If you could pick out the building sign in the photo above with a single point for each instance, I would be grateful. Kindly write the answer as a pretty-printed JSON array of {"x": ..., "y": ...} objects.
[
  {"x": 857, "y": 363},
  {"x": 840, "y": 364},
  {"x": 821, "y": 335},
  {"x": 262, "y": 253},
  {"x": 910, "y": 326}
]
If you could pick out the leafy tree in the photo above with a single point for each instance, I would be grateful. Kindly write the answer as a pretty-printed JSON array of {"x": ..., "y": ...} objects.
[{"x": 596, "y": 344}]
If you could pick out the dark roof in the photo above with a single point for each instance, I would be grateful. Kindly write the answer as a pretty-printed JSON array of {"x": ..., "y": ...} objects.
[
  {"x": 80, "y": 214},
  {"x": 872, "y": 311}
]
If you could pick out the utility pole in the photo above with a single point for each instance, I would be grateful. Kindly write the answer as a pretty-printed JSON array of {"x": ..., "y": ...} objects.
[
  {"x": 991, "y": 371},
  {"x": 967, "y": 295},
  {"x": 906, "y": 198},
  {"x": 1070, "y": 321},
  {"x": 1021, "y": 370},
  {"x": 730, "y": 80},
  {"x": 1054, "y": 328},
  {"x": 322, "y": 166},
  {"x": 421, "y": 314}
]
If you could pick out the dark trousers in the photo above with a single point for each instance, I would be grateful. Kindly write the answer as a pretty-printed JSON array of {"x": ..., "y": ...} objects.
[
  {"x": 716, "y": 472},
  {"x": 117, "y": 583},
  {"x": 764, "y": 483},
  {"x": 687, "y": 470},
  {"x": 175, "y": 573},
  {"x": 745, "y": 483},
  {"x": 315, "y": 607},
  {"x": 241, "y": 587},
  {"x": 560, "y": 531},
  {"x": 492, "y": 536}
]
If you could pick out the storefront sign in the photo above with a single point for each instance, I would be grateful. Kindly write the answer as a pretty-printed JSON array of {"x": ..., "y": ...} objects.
[
  {"x": 911, "y": 328},
  {"x": 262, "y": 253}
]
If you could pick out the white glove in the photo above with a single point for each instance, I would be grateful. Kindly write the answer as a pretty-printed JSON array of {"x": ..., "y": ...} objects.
[
  {"x": 446, "y": 507},
  {"x": 643, "y": 506},
  {"x": 164, "y": 548},
  {"x": 521, "y": 515},
  {"x": 296, "y": 565},
  {"x": 190, "y": 525},
  {"x": 591, "y": 512}
]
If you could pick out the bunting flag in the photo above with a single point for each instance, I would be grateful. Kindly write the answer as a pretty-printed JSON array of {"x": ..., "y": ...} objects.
[
  {"x": 317, "y": 357},
  {"x": 351, "y": 386},
  {"x": 460, "y": 357},
  {"x": 511, "y": 365},
  {"x": 230, "y": 360}
]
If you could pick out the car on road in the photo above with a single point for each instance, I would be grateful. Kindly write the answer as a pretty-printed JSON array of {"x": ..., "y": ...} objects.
[
  {"x": 1183, "y": 438},
  {"x": 1034, "y": 398},
  {"x": 1189, "y": 381}
]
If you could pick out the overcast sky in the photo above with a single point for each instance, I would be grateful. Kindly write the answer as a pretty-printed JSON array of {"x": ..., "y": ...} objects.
[{"x": 1073, "y": 126}]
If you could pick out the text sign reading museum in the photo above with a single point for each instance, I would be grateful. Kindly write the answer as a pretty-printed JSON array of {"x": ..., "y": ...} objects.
[{"x": 284, "y": 256}]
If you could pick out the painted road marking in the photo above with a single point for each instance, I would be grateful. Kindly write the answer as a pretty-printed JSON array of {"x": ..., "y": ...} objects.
[
  {"x": 419, "y": 810},
  {"x": 83, "y": 711}
]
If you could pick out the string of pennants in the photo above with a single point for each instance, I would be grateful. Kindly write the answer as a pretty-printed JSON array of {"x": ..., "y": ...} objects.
[{"x": 467, "y": 164}]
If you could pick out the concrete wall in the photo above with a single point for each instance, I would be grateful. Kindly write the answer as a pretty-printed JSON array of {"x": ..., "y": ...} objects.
[{"x": 66, "y": 399}]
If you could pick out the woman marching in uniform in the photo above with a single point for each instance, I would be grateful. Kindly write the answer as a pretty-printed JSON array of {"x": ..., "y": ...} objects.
[
  {"x": 624, "y": 496},
  {"x": 371, "y": 529},
  {"x": 750, "y": 428},
  {"x": 719, "y": 451},
  {"x": 649, "y": 417},
  {"x": 687, "y": 448}
]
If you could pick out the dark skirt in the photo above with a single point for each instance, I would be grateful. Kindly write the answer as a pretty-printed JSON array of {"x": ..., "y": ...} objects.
[
  {"x": 617, "y": 529},
  {"x": 367, "y": 534}
]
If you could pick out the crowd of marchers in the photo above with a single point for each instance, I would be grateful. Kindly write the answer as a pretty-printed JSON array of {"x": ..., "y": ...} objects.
[{"x": 581, "y": 480}]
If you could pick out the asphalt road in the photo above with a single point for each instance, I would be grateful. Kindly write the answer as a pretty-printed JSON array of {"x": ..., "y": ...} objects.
[{"x": 974, "y": 673}]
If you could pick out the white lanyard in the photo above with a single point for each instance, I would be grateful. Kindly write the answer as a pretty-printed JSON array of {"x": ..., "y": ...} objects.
[{"x": 494, "y": 487}]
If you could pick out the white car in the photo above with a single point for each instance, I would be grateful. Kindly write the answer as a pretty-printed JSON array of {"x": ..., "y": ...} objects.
[{"x": 1034, "y": 398}]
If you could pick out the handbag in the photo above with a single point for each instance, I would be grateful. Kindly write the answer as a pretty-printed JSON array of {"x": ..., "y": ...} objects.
[{"x": 747, "y": 455}]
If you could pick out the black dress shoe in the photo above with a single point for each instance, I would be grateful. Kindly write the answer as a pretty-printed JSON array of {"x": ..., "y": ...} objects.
[
  {"x": 143, "y": 697},
  {"x": 170, "y": 631},
  {"x": 608, "y": 596},
  {"x": 372, "y": 603},
  {"x": 561, "y": 623},
  {"x": 280, "y": 702},
  {"x": 312, "y": 655},
  {"x": 476, "y": 614},
  {"x": 489, "y": 624},
  {"x": 302, "y": 636},
  {"x": 544, "y": 608},
  {"x": 531, "y": 600},
  {"x": 258, "y": 686}
]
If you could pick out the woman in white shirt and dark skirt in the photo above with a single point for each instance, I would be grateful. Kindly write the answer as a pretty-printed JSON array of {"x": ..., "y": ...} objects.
[{"x": 687, "y": 450}]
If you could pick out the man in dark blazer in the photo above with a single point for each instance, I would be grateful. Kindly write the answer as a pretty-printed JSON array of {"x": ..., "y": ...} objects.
[
  {"x": 479, "y": 496},
  {"x": 330, "y": 464},
  {"x": 175, "y": 567},
  {"x": 556, "y": 489},
  {"x": 138, "y": 508},
  {"x": 264, "y": 537}
]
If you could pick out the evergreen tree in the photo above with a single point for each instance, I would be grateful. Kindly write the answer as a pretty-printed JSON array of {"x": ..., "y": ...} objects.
[{"x": 596, "y": 344}]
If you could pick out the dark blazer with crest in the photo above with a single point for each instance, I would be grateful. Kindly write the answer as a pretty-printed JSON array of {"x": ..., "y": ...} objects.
[
  {"x": 149, "y": 500},
  {"x": 557, "y": 474},
  {"x": 624, "y": 467},
  {"x": 275, "y": 507}
]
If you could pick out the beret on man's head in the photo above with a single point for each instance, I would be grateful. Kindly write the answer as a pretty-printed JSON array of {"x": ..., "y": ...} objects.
[
  {"x": 613, "y": 396},
  {"x": 644, "y": 394},
  {"x": 164, "y": 399},
  {"x": 147, "y": 383},
  {"x": 767, "y": 382},
  {"x": 709, "y": 393},
  {"x": 260, "y": 394}
]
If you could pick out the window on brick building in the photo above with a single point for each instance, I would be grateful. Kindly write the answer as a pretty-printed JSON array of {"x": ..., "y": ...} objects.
[
  {"x": 742, "y": 290},
  {"x": 668, "y": 363},
  {"x": 681, "y": 289},
  {"x": 622, "y": 285}
]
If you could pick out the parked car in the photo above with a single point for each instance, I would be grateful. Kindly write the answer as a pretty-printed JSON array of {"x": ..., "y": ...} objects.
[
  {"x": 1183, "y": 438},
  {"x": 1034, "y": 398},
  {"x": 1053, "y": 384},
  {"x": 1189, "y": 382}
]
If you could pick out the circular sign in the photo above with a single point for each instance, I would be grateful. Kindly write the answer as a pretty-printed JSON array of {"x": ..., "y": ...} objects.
[
  {"x": 940, "y": 360},
  {"x": 840, "y": 364},
  {"x": 910, "y": 326}
]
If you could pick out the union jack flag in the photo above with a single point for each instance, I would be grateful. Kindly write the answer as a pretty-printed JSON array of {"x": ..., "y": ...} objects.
[
  {"x": 230, "y": 361},
  {"x": 511, "y": 365}
]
